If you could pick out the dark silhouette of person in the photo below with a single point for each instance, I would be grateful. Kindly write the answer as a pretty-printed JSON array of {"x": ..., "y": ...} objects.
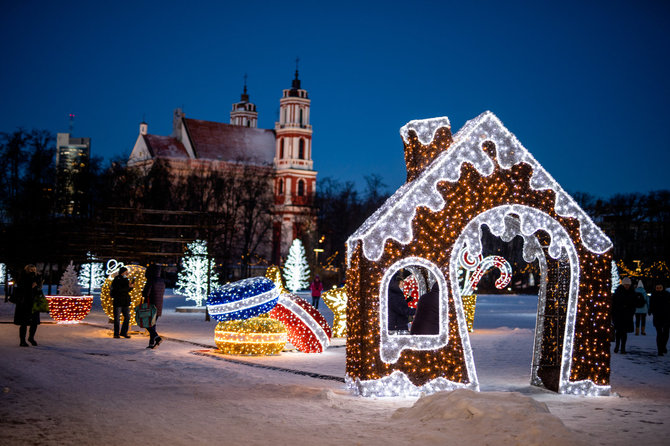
[
  {"x": 659, "y": 308},
  {"x": 153, "y": 293},
  {"x": 427, "y": 318},
  {"x": 623, "y": 309},
  {"x": 398, "y": 310}
]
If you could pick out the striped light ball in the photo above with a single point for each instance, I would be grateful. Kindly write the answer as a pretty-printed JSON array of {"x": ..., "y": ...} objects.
[
  {"x": 243, "y": 299},
  {"x": 307, "y": 329},
  {"x": 255, "y": 336}
]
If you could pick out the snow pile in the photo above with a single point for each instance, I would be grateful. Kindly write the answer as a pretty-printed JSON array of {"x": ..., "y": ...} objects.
[{"x": 502, "y": 418}]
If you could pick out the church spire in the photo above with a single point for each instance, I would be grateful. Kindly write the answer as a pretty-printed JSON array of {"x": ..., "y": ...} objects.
[
  {"x": 245, "y": 97},
  {"x": 244, "y": 112},
  {"x": 296, "y": 81}
]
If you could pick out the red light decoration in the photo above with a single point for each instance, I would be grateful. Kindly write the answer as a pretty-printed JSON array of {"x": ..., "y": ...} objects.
[
  {"x": 69, "y": 309},
  {"x": 307, "y": 329}
]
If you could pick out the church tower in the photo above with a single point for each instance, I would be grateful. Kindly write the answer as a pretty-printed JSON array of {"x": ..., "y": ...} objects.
[
  {"x": 295, "y": 181},
  {"x": 244, "y": 112}
]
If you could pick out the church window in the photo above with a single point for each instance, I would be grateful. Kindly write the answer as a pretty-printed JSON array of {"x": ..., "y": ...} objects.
[
  {"x": 300, "y": 117},
  {"x": 301, "y": 188},
  {"x": 281, "y": 187},
  {"x": 301, "y": 149},
  {"x": 281, "y": 148}
]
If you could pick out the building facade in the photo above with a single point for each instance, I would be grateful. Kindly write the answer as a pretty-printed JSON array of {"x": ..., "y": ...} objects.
[
  {"x": 286, "y": 150},
  {"x": 72, "y": 160}
]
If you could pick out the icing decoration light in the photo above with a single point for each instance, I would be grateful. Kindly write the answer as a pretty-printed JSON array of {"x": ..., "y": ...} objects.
[
  {"x": 197, "y": 268},
  {"x": 69, "y": 309},
  {"x": 307, "y": 329},
  {"x": 137, "y": 278},
  {"x": 482, "y": 175},
  {"x": 336, "y": 300},
  {"x": 254, "y": 336},
  {"x": 243, "y": 299}
]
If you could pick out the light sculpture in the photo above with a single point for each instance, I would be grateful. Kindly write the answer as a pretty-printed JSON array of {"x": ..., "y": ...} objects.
[
  {"x": 480, "y": 176},
  {"x": 336, "y": 300},
  {"x": 296, "y": 269},
  {"x": 307, "y": 329},
  {"x": 197, "y": 270},
  {"x": 254, "y": 336},
  {"x": 243, "y": 299},
  {"x": 137, "y": 278},
  {"x": 70, "y": 306}
]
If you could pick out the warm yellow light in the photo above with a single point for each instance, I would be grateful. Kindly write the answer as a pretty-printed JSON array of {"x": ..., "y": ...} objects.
[
  {"x": 137, "y": 280},
  {"x": 255, "y": 336}
]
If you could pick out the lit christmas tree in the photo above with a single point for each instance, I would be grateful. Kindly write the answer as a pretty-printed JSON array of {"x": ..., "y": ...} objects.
[
  {"x": 296, "y": 269},
  {"x": 68, "y": 283},
  {"x": 192, "y": 280},
  {"x": 91, "y": 275}
]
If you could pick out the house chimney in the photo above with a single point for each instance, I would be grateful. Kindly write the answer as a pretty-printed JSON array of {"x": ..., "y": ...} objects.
[{"x": 424, "y": 140}]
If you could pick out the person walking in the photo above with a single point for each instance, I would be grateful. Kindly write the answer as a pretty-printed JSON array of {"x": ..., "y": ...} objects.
[
  {"x": 316, "y": 288},
  {"x": 29, "y": 284},
  {"x": 153, "y": 293},
  {"x": 642, "y": 307},
  {"x": 120, "y": 291},
  {"x": 623, "y": 309},
  {"x": 659, "y": 308}
]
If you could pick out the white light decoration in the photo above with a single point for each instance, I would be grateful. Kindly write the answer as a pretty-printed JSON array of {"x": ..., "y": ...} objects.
[
  {"x": 113, "y": 267},
  {"x": 486, "y": 148},
  {"x": 296, "y": 269},
  {"x": 91, "y": 274},
  {"x": 243, "y": 299},
  {"x": 616, "y": 280},
  {"x": 68, "y": 282},
  {"x": 197, "y": 267}
]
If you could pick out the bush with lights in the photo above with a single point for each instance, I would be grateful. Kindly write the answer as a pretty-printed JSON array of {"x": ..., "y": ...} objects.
[{"x": 480, "y": 176}]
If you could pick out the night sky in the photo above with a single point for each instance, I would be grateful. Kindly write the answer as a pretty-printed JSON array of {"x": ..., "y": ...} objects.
[{"x": 583, "y": 85}]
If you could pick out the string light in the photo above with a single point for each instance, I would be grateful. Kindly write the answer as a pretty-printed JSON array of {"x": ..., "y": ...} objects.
[
  {"x": 482, "y": 175},
  {"x": 69, "y": 309},
  {"x": 137, "y": 278},
  {"x": 254, "y": 336},
  {"x": 306, "y": 328},
  {"x": 336, "y": 300},
  {"x": 243, "y": 299}
]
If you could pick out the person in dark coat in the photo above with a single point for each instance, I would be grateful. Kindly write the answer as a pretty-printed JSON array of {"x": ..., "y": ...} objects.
[
  {"x": 27, "y": 287},
  {"x": 623, "y": 311},
  {"x": 120, "y": 291},
  {"x": 427, "y": 319},
  {"x": 398, "y": 310},
  {"x": 659, "y": 307},
  {"x": 153, "y": 293}
]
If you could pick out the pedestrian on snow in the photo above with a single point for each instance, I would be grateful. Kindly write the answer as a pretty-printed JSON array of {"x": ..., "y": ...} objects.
[
  {"x": 120, "y": 291},
  {"x": 427, "y": 319},
  {"x": 623, "y": 309},
  {"x": 317, "y": 288},
  {"x": 27, "y": 288},
  {"x": 641, "y": 311},
  {"x": 398, "y": 310},
  {"x": 153, "y": 293},
  {"x": 659, "y": 307}
]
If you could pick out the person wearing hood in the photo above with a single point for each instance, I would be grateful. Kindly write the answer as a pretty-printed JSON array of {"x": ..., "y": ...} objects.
[
  {"x": 153, "y": 293},
  {"x": 641, "y": 311},
  {"x": 27, "y": 288},
  {"x": 623, "y": 309},
  {"x": 316, "y": 287},
  {"x": 120, "y": 292}
]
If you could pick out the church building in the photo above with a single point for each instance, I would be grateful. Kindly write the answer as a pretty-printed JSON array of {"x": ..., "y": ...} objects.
[{"x": 286, "y": 149}]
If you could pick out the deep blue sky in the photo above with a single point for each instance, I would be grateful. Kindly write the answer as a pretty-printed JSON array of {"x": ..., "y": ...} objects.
[{"x": 585, "y": 86}]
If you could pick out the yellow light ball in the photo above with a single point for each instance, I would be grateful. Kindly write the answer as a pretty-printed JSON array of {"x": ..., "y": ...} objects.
[
  {"x": 257, "y": 336},
  {"x": 137, "y": 279}
]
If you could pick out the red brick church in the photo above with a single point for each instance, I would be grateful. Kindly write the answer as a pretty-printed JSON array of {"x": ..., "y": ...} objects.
[{"x": 287, "y": 149}]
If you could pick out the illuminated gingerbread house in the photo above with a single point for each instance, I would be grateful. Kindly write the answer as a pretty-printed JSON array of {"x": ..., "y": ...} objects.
[{"x": 455, "y": 185}]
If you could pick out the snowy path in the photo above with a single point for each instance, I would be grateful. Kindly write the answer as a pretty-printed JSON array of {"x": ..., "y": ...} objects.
[{"x": 80, "y": 386}]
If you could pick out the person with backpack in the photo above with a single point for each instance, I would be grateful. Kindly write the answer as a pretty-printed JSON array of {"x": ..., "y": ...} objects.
[
  {"x": 623, "y": 309},
  {"x": 27, "y": 288},
  {"x": 120, "y": 292},
  {"x": 153, "y": 293},
  {"x": 642, "y": 304}
]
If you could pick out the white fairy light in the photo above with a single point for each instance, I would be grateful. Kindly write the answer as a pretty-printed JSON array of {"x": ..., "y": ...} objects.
[{"x": 197, "y": 268}]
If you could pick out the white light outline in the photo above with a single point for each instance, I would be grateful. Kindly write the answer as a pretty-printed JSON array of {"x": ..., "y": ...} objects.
[{"x": 243, "y": 304}]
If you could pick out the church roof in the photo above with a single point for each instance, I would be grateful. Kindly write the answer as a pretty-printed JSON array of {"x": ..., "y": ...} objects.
[
  {"x": 226, "y": 142},
  {"x": 165, "y": 146}
]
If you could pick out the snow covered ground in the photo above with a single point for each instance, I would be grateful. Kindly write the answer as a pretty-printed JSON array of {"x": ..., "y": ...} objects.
[{"x": 81, "y": 386}]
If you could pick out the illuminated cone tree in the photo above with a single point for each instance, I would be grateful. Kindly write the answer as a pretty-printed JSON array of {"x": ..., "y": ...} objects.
[
  {"x": 296, "y": 269},
  {"x": 197, "y": 268}
]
